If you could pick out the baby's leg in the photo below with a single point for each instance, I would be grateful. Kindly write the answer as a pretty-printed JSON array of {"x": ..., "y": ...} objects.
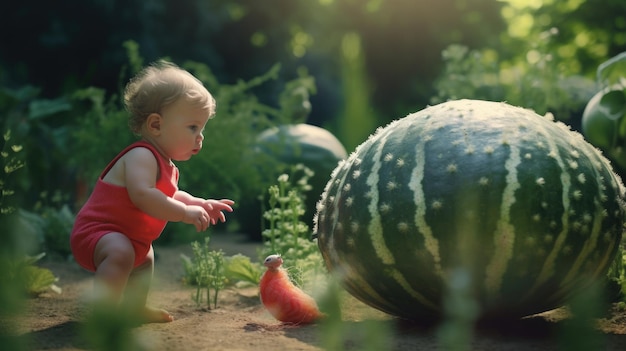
[
  {"x": 137, "y": 290},
  {"x": 114, "y": 257}
]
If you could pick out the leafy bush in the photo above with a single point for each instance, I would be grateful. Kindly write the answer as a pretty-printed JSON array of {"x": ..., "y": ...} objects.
[
  {"x": 100, "y": 134},
  {"x": 48, "y": 226},
  {"x": 43, "y": 127},
  {"x": 58, "y": 226},
  {"x": 535, "y": 82}
]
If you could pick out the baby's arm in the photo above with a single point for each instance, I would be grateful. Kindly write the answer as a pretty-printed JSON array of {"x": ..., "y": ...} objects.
[
  {"x": 213, "y": 207},
  {"x": 140, "y": 170}
]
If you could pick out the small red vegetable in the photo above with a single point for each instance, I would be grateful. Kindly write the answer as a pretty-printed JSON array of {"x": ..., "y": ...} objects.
[{"x": 285, "y": 301}]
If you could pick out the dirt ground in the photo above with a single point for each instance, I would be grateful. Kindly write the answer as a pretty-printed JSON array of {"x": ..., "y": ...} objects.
[{"x": 52, "y": 321}]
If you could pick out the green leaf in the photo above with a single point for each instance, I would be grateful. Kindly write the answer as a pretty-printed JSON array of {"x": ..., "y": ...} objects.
[
  {"x": 613, "y": 70},
  {"x": 33, "y": 259},
  {"x": 240, "y": 268},
  {"x": 42, "y": 108},
  {"x": 31, "y": 279},
  {"x": 615, "y": 103},
  {"x": 37, "y": 280}
]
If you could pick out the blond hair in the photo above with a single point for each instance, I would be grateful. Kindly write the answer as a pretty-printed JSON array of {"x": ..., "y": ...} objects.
[{"x": 159, "y": 85}]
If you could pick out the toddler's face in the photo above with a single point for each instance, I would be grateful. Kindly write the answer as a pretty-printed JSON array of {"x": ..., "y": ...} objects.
[{"x": 181, "y": 130}]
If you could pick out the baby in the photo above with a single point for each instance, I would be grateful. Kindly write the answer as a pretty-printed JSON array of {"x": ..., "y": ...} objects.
[{"x": 137, "y": 193}]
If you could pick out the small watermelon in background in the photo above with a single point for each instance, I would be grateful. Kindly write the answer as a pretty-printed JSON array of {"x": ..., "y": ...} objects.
[
  {"x": 529, "y": 210},
  {"x": 604, "y": 117},
  {"x": 289, "y": 145}
]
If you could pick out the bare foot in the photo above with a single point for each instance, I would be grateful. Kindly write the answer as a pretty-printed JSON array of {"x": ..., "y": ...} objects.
[{"x": 156, "y": 315}]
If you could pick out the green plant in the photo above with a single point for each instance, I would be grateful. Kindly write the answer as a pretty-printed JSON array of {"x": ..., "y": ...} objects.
[
  {"x": 240, "y": 269},
  {"x": 617, "y": 276},
  {"x": 31, "y": 279},
  {"x": 537, "y": 81},
  {"x": 11, "y": 292},
  {"x": 50, "y": 224},
  {"x": 211, "y": 270},
  {"x": 100, "y": 135},
  {"x": 47, "y": 226},
  {"x": 286, "y": 234},
  {"x": 206, "y": 271},
  {"x": 527, "y": 207},
  {"x": 286, "y": 231},
  {"x": 43, "y": 127},
  {"x": 58, "y": 226},
  {"x": 10, "y": 163}
]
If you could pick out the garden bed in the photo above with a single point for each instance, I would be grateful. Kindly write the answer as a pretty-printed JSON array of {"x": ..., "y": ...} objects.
[{"x": 53, "y": 321}]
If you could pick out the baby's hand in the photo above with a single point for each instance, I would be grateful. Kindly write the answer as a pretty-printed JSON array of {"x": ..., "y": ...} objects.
[
  {"x": 198, "y": 216},
  {"x": 215, "y": 207}
]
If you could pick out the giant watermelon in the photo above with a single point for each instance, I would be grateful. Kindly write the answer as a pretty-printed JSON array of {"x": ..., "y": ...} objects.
[{"x": 529, "y": 210}]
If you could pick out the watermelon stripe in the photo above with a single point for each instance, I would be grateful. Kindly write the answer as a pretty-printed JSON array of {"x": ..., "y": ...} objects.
[
  {"x": 339, "y": 182},
  {"x": 589, "y": 245},
  {"x": 504, "y": 238},
  {"x": 347, "y": 272},
  {"x": 375, "y": 226},
  {"x": 399, "y": 277},
  {"x": 419, "y": 198}
]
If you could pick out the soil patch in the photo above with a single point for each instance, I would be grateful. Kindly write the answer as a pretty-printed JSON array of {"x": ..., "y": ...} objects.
[{"x": 53, "y": 321}]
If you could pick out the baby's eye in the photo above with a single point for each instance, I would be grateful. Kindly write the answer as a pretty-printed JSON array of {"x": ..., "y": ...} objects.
[{"x": 194, "y": 128}]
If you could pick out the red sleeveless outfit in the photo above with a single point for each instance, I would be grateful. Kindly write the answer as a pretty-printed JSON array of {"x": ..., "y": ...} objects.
[{"x": 109, "y": 209}]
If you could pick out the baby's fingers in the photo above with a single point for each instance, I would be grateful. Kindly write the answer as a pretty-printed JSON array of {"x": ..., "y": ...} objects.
[
  {"x": 226, "y": 204},
  {"x": 222, "y": 207}
]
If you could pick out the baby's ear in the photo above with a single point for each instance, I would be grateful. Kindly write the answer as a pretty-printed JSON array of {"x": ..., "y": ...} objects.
[{"x": 153, "y": 123}]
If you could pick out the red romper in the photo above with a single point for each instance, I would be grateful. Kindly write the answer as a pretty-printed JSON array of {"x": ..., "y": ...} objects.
[{"x": 109, "y": 209}]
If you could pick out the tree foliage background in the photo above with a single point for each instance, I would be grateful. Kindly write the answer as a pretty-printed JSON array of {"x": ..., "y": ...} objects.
[
  {"x": 60, "y": 46},
  {"x": 63, "y": 45},
  {"x": 372, "y": 60}
]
